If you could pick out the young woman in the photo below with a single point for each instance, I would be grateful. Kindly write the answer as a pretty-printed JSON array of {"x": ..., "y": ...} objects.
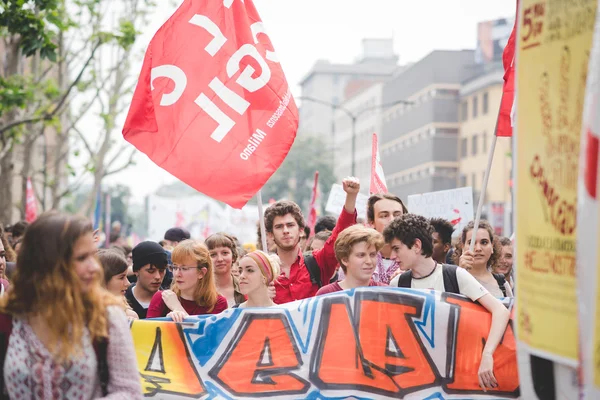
[
  {"x": 257, "y": 271},
  {"x": 193, "y": 291},
  {"x": 483, "y": 259},
  {"x": 62, "y": 336},
  {"x": 224, "y": 254},
  {"x": 115, "y": 276}
]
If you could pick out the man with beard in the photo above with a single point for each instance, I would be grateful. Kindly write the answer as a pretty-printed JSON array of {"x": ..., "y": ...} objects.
[{"x": 283, "y": 223}]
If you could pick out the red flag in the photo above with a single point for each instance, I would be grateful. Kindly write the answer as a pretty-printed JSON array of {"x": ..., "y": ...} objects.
[
  {"x": 504, "y": 127},
  {"x": 30, "y": 203},
  {"x": 378, "y": 184},
  {"x": 312, "y": 214},
  {"x": 212, "y": 105}
]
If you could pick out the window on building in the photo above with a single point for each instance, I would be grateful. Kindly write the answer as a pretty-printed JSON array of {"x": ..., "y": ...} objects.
[
  {"x": 464, "y": 147},
  {"x": 475, "y": 106},
  {"x": 485, "y": 104},
  {"x": 463, "y": 180},
  {"x": 474, "y": 181},
  {"x": 475, "y": 145},
  {"x": 465, "y": 111},
  {"x": 484, "y": 137}
]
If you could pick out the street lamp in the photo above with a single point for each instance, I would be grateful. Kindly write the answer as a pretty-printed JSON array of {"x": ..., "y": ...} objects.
[{"x": 354, "y": 118}]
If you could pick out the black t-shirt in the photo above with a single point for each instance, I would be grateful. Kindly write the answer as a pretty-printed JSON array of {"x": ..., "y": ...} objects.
[{"x": 134, "y": 304}]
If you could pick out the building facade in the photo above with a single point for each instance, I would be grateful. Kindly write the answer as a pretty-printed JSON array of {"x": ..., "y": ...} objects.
[
  {"x": 331, "y": 84},
  {"x": 419, "y": 141},
  {"x": 366, "y": 107},
  {"x": 480, "y": 99}
]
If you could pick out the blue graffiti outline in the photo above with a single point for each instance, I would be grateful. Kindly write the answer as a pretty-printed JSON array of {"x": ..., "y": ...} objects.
[
  {"x": 440, "y": 396},
  {"x": 214, "y": 391},
  {"x": 303, "y": 345},
  {"x": 427, "y": 312}
]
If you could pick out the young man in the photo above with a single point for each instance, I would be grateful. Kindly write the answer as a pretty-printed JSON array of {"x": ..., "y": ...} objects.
[
  {"x": 505, "y": 263},
  {"x": 283, "y": 222},
  {"x": 356, "y": 250},
  {"x": 149, "y": 266},
  {"x": 175, "y": 235},
  {"x": 381, "y": 210},
  {"x": 410, "y": 239},
  {"x": 442, "y": 238}
]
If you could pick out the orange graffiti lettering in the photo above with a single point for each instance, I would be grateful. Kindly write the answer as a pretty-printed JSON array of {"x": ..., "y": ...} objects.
[
  {"x": 393, "y": 345},
  {"x": 472, "y": 331},
  {"x": 260, "y": 358},
  {"x": 165, "y": 363},
  {"x": 340, "y": 362}
]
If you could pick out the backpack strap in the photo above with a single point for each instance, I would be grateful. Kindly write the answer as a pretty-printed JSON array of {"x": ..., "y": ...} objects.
[
  {"x": 450, "y": 279},
  {"x": 313, "y": 269},
  {"x": 5, "y": 331},
  {"x": 501, "y": 282},
  {"x": 101, "y": 349},
  {"x": 405, "y": 279}
]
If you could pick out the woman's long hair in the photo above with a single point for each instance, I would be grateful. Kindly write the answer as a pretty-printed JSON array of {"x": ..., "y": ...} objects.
[
  {"x": 45, "y": 284},
  {"x": 483, "y": 224},
  {"x": 205, "y": 293}
]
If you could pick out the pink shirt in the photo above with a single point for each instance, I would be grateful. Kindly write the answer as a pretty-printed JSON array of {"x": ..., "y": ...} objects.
[
  {"x": 335, "y": 287},
  {"x": 158, "y": 308}
]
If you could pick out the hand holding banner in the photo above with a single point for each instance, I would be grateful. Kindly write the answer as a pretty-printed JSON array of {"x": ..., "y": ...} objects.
[{"x": 212, "y": 105}]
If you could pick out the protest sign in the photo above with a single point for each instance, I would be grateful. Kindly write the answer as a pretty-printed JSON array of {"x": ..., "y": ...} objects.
[
  {"x": 552, "y": 62},
  {"x": 588, "y": 230},
  {"x": 337, "y": 199},
  {"x": 383, "y": 343},
  {"x": 455, "y": 205}
]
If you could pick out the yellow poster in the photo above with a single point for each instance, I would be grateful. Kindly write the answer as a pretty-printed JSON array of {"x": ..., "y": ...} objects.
[{"x": 553, "y": 46}]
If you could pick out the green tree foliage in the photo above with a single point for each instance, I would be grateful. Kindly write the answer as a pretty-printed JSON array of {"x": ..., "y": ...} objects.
[{"x": 294, "y": 179}]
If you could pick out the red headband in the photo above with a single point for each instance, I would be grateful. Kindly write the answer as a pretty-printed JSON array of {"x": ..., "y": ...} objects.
[{"x": 263, "y": 263}]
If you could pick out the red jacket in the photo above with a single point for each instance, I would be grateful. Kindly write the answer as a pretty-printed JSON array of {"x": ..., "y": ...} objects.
[{"x": 299, "y": 286}]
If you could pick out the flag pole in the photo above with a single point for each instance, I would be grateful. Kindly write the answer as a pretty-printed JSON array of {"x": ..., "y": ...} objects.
[
  {"x": 261, "y": 218},
  {"x": 486, "y": 178}
]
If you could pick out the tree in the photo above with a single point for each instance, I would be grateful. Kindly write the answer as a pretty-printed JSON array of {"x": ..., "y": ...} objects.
[
  {"x": 295, "y": 177},
  {"x": 50, "y": 53}
]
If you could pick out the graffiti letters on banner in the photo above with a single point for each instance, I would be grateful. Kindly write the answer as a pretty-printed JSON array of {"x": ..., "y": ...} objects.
[{"x": 368, "y": 343}]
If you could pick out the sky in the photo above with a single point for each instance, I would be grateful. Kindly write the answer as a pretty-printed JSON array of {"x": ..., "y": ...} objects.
[{"x": 304, "y": 31}]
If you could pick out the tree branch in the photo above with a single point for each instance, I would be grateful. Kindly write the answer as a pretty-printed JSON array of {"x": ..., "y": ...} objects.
[
  {"x": 84, "y": 140},
  {"x": 48, "y": 116},
  {"x": 122, "y": 167}
]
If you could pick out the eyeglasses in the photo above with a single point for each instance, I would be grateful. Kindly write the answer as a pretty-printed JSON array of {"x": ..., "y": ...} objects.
[{"x": 174, "y": 268}]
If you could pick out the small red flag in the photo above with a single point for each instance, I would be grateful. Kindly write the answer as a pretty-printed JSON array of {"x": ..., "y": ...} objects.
[
  {"x": 504, "y": 127},
  {"x": 212, "y": 105},
  {"x": 30, "y": 203},
  {"x": 378, "y": 184},
  {"x": 312, "y": 214}
]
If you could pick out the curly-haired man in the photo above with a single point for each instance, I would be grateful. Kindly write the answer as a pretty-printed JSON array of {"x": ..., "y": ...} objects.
[{"x": 283, "y": 223}]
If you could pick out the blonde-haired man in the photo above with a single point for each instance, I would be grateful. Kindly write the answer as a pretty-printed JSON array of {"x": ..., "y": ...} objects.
[{"x": 356, "y": 250}]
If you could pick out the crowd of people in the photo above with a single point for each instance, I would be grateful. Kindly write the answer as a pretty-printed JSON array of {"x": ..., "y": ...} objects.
[{"x": 65, "y": 306}]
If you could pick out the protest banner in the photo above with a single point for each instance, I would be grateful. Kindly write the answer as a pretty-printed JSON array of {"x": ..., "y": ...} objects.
[
  {"x": 212, "y": 105},
  {"x": 455, "y": 205},
  {"x": 588, "y": 226},
  {"x": 553, "y": 48},
  {"x": 375, "y": 343},
  {"x": 337, "y": 199}
]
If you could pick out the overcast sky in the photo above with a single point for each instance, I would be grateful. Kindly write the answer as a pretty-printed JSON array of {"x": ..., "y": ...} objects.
[{"x": 304, "y": 31}]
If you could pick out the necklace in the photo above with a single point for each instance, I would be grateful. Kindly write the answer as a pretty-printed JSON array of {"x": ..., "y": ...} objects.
[{"x": 429, "y": 274}]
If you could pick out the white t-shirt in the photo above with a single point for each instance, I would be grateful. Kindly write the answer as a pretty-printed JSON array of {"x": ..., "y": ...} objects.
[{"x": 467, "y": 285}]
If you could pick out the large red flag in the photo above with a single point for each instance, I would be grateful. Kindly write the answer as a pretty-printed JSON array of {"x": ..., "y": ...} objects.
[
  {"x": 30, "y": 203},
  {"x": 212, "y": 105},
  {"x": 504, "y": 127},
  {"x": 378, "y": 184},
  {"x": 312, "y": 212}
]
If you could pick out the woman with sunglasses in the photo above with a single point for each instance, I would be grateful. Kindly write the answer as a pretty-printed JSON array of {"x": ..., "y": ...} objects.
[{"x": 193, "y": 291}]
